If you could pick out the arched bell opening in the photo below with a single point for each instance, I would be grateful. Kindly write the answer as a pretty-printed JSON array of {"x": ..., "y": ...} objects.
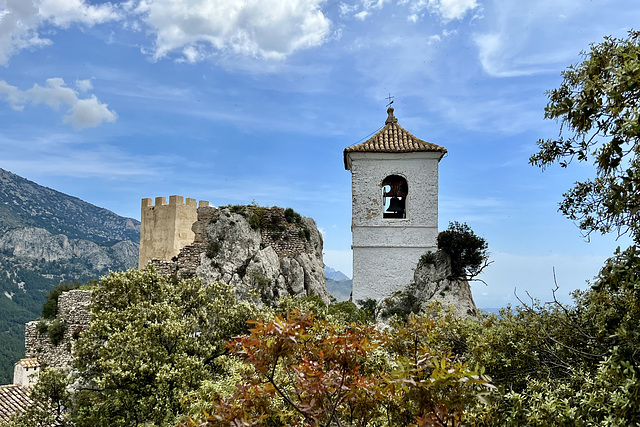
[{"x": 394, "y": 196}]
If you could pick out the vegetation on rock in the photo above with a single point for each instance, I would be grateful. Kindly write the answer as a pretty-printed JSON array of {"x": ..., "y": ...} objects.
[{"x": 467, "y": 251}]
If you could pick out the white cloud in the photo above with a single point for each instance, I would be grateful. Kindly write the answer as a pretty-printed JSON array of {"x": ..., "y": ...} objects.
[
  {"x": 447, "y": 10},
  {"x": 455, "y": 9},
  {"x": 81, "y": 113},
  {"x": 84, "y": 85},
  {"x": 21, "y": 19},
  {"x": 62, "y": 13},
  {"x": 528, "y": 38},
  {"x": 89, "y": 113},
  {"x": 270, "y": 29}
]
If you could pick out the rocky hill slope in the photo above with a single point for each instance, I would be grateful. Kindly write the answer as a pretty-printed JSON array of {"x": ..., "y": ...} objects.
[
  {"x": 265, "y": 253},
  {"x": 47, "y": 237}
]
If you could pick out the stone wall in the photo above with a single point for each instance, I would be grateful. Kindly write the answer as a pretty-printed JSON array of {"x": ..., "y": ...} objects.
[
  {"x": 166, "y": 228},
  {"x": 73, "y": 310}
]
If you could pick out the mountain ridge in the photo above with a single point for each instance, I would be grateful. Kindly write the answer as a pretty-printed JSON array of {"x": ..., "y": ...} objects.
[{"x": 46, "y": 238}]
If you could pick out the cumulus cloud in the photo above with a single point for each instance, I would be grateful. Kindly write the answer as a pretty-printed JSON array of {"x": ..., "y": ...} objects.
[
  {"x": 80, "y": 113},
  {"x": 21, "y": 19},
  {"x": 269, "y": 29}
]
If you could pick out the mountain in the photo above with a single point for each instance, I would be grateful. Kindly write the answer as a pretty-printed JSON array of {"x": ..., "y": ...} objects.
[
  {"x": 336, "y": 275},
  {"x": 338, "y": 284},
  {"x": 46, "y": 238}
]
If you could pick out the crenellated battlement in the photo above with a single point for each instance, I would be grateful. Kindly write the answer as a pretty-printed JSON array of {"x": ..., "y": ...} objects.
[
  {"x": 173, "y": 201},
  {"x": 166, "y": 227}
]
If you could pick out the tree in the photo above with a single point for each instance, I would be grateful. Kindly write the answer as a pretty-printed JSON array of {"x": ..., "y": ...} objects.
[
  {"x": 51, "y": 401},
  {"x": 151, "y": 341},
  {"x": 468, "y": 252},
  {"x": 308, "y": 371},
  {"x": 567, "y": 365},
  {"x": 598, "y": 106}
]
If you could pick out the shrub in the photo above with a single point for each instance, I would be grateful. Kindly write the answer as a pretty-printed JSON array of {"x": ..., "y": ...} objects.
[
  {"x": 467, "y": 251},
  {"x": 56, "y": 331},
  {"x": 50, "y": 307},
  {"x": 42, "y": 326},
  {"x": 292, "y": 216}
]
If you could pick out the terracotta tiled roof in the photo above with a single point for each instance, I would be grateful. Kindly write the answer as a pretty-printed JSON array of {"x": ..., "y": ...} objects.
[
  {"x": 13, "y": 398},
  {"x": 30, "y": 362},
  {"x": 393, "y": 138}
]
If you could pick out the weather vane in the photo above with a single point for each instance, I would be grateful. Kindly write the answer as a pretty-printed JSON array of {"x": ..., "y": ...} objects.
[{"x": 390, "y": 99}]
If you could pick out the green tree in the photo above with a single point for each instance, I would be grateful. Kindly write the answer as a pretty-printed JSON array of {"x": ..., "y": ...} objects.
[
  {"x": 150, "y": 342},
  {"x": 468, "y": 252},
  {"x": 567, "y": 365},
  {"x": 598, "y": 107},
  {"x": 51, "y": 402}
]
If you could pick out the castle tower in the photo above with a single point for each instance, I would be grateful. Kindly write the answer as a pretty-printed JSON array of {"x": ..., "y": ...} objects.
[
  {"x": 165, "y": 229},
  {"x": 394, "y": 188}
]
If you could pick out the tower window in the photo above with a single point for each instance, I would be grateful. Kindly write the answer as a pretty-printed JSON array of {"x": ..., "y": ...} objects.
[{"x": 394, "y": 196}]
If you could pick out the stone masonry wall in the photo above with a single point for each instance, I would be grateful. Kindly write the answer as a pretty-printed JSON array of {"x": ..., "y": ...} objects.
[{"x": 73, "y": 310}]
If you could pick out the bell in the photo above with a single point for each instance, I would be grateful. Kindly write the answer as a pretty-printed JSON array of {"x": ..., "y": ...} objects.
[{"x": 396, "y": 205}]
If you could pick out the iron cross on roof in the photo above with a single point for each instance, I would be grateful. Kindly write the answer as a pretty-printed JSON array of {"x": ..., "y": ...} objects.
[{"x": 390, "y": 99}]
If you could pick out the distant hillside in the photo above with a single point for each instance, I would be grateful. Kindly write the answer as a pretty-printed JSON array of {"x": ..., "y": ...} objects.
[
  {"x": 48, "y": 237},
  {"x": 338, "y": 284}
]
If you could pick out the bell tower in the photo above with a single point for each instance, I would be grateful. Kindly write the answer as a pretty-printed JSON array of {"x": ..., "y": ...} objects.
[{"x": 394, "y": 189}]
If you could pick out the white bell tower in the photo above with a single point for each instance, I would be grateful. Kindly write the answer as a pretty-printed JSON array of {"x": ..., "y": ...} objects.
[{"x": 394, "y": 188}]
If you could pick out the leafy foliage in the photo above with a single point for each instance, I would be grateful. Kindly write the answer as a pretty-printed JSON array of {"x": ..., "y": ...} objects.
[
  {"x": 292, "y": 216},
  {"x": 50, "y": 306},
  {"x": 150, "y": 342},
  {"x": 53, "y": 401},
  {"x": 56, "y": 331},
  {"x": 567, "y": 365},
  {"x": 467, "y": 251},
  {"x": 308, "y": 371},
  {"x": 598, "y": 107}
]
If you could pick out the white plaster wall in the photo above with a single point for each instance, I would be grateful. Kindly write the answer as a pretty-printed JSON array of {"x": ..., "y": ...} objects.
[
  {"x": 370, "y": 169},
  {"x": 396, "y": 235},
  {"x": 382, "y": 271},
  {"x": 24, "y": 376},
  {"x": 386, "y": 251}
]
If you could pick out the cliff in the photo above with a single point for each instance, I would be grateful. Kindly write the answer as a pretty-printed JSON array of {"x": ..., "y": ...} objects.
[{"x": 266, "y": 253}]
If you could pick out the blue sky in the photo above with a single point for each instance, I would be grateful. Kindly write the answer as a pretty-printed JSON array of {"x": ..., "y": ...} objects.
[{"x": 254, "y": 100}]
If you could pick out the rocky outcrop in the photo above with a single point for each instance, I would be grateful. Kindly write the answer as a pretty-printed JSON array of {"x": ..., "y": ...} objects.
[
  {"x": 262, "y": 252},
  {"x": 433, "y": 281}
]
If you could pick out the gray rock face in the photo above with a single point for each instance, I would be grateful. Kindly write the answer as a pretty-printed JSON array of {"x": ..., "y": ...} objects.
[
  {"x": 432, "y": 282},
  {"x": 39, "y": 244},
  {"x": 256, "y": 250}
]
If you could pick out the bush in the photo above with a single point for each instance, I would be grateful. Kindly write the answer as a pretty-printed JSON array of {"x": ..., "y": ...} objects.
[
  {"x": 292, "y": 216},
  {"x": 467, "y": 251},
  {"x": 50, "y": 307},
  {"x": 56, "y": 331}
]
